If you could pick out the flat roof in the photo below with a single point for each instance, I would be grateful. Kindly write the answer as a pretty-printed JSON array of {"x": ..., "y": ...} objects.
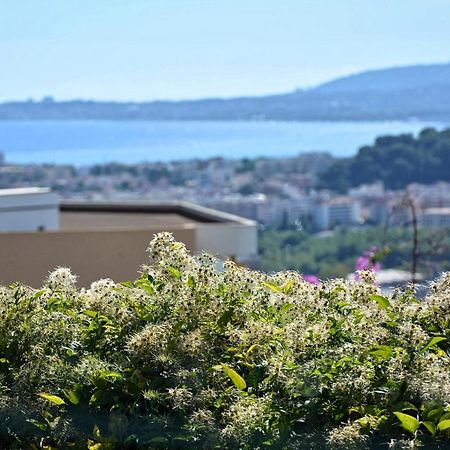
[
  {"x": 445, "y": 211},
  {"x": 24, "y": 191},
  {"x": 86, "y": 215}
]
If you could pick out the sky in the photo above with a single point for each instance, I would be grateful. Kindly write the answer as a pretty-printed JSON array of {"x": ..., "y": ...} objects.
[{"x": 182, "y": 49}]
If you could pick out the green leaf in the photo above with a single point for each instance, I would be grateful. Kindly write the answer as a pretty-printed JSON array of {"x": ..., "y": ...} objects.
[
  {"x": 406, "y": 406},
  {"x": 288, "y": 286},
  {"x": 271, "y": 286},
  {"x": 39, "y": 294},
  {"x": 430, "y": 426},
  {"x": 383, "y": 302},
  {"x": 237, "y": 380},
  {"x": 342, "y": 304},
  {"x": 145, "y": 285},
  {"x": 408, "y": 422},
  {"x": 174, "y": 272},
  {"x": 159, "y": 442},
  {"x": 445, "y": 416},
  {"x": 435, "y": 413},
  {"x": 286, "y": 307},
  {"x": 291, "y": 366},
  {"x": 51, "y": 302},
  {"x": 382, "y": 351},
  {"x": 106, "y": 374},
  {"x": 73, "y": 397},
  {"x": 98, "y": 398},
  {"x": 343, "y": 360},
  {"x": 251, "y": 348},
  {"x": 52, "y": 398},
  {"x": 128, "y": 284},
  {"x": 444, "y": 424},
  {"x": 432, "y": 343},
  {"x": 41, "y": 425},
  {"x": 191, "y": 282},
  {"x": 225, "y": 318}
]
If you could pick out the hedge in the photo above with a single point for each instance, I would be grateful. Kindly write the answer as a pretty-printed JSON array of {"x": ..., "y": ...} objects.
[{"x": 198, "y": 354}]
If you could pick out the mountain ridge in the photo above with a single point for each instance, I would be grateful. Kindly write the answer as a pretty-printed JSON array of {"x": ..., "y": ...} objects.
[
  {"x": 393, "y": 78},
  {"x": 398, "y": 93}
]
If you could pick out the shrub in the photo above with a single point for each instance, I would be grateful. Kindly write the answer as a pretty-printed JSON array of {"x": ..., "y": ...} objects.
[{"x": 190, "y": 355}]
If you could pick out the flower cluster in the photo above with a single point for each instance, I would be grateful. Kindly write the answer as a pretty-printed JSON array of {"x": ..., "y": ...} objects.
[{"x": 209, "y": 355}]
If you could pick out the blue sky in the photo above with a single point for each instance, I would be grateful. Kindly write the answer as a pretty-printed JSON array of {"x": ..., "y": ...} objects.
[{"x": 173, "y": 49}]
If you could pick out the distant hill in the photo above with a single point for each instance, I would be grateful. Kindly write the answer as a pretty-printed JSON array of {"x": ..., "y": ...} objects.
[
  {"x": 402, "y": 93},
  {"x": 391, "y": 80},
  {"x": 395, "y": 160}
]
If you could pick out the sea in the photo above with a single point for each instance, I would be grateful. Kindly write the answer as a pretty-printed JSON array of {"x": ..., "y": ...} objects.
[{"x": 91, "y": 142}]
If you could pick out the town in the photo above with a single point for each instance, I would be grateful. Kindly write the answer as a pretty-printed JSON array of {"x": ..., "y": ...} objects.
[{"x": 278, "y": 193}]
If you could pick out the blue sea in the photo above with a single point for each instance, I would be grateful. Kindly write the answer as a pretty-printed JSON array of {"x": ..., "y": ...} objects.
[{"x": 89, "y": 142}]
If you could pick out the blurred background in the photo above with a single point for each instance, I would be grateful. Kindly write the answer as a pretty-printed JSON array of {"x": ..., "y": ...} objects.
[{"x": 294, "y": 135}]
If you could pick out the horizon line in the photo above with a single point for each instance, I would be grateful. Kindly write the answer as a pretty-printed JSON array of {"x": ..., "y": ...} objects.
[{"x": 49, "y": 98}]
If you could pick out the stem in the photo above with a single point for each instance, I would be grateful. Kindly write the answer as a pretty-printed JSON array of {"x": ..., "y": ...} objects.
[{"x": 415, "y": 246}]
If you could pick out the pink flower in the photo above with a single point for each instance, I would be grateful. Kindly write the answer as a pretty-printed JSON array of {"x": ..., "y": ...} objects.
[
  {"x": 311, "y": 279},
  {"x": 367, "y": 261}
]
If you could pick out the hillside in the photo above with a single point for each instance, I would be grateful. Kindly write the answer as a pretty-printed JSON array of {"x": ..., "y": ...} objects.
[
  {"x": 418, "y": 92},
  {"x": 395, "y": 160},
  {"x": 393, "y": 79}
]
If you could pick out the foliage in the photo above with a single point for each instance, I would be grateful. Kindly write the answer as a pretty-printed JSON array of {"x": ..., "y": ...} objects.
[
  {"x": 192, "y": 356},
  {"x": 334, "y": 254},
  {"x": 395, "y": 160}
]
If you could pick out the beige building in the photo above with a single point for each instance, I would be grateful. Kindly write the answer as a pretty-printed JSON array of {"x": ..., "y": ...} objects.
[{"x": 99, "y": 240}]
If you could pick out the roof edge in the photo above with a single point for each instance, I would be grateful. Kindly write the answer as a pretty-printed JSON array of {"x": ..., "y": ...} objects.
[{"x": 183, "y": 208}]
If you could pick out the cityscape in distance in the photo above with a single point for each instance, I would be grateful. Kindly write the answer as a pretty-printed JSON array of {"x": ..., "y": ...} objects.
[{"x": 314, "y": 194}]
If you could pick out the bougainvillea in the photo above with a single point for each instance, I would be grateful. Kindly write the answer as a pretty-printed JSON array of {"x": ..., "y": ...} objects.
[{"x": 199, "y": 355}]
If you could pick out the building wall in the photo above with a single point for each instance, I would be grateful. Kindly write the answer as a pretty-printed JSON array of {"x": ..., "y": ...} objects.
[
  {"x": 435, "y": 220},
  {"x": 29, "y": 212},
  {"x": 329, "y": 215},
  {"x": 321, "y": 216},
  {"x": 228, "y": 240},
  {"x": 28, "y": 257},
  {"x": 29, "y": 220}
]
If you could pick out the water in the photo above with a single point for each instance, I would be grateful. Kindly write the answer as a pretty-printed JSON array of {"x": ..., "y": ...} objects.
[{"x": 88, "y": 142}]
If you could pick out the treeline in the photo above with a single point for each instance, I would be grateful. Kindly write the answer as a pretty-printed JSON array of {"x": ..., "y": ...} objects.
[
  {"x": 425, "y": 103},
  {"x": 335, "y": 255},
  {"x": 396, "y": 161}
]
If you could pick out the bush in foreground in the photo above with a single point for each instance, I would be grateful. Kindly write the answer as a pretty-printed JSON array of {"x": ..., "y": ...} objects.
[{"x": 191, "y": 356}]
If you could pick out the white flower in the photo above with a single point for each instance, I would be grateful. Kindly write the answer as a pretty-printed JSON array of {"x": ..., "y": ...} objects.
[{"x": 61, "y": 278}]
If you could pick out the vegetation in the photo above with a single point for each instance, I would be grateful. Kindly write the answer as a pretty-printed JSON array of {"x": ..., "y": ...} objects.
[
  {"x": 333, "y": 254},
  {"x": 395, "y": 160},
  {"x": 189, "y": 356}
]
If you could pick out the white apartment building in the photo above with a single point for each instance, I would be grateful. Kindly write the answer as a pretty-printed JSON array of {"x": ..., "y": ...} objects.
[
  {"x": 435, "y": 217},
  {"x": 29, "y": 209},
  {"x": 436, "y": 195},
  {"x": 336, "y": 212}
]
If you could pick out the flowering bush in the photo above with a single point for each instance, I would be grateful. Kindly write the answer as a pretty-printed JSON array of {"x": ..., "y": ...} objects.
[{"x": 192, "y": 356}]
